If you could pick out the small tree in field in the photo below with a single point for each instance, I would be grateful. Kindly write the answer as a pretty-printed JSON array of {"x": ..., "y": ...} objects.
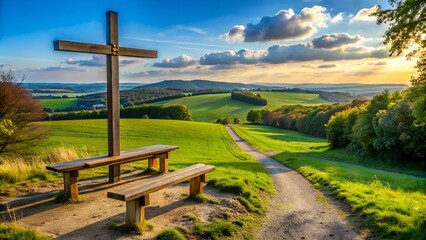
[
  {"x": 18, "y": 112},
  {"x": 254, "y": 116},
  {"x": 226, "y": 121},
  {"x": 219, "y": 120},
  {"x": 236, "y": 120}
]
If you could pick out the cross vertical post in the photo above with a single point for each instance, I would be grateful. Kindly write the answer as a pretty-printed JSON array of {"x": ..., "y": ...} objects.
[
  {"x": 113, "y": 95},
  {"x": 112, "y": 51}
]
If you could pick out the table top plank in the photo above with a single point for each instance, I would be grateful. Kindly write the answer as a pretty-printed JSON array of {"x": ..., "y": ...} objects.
[{"x": 124, "y": 157}]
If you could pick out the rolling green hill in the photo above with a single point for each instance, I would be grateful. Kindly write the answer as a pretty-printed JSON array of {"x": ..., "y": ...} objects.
[{"x": 210, "y": 107}]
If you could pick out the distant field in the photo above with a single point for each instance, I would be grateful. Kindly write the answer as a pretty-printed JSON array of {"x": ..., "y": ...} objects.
[
  {"x": 210, "y": 107},
  {"x": 59, "y": 103},
  {"x": 392, "y": 200},
  {"x": 71, "y": 95}
]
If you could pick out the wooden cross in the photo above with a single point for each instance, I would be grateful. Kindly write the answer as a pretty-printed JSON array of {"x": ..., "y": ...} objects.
[{"x": 112, "y": 51}]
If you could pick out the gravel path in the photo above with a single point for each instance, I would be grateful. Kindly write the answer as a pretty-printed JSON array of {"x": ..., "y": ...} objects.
[{"x": 295, "y": 211}]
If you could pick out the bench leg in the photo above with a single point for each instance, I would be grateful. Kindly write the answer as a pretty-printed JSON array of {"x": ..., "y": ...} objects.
[
  {"x": 135, "y": 210},
  {"x": 152, "y": 163},
  {"x": 164, "y": 163},
  {"x": 195, "y": 186},
  {"x": 204, "y": 178},
  {"x": 114, "y": 173},
  {"x": 70, "y": 184}
]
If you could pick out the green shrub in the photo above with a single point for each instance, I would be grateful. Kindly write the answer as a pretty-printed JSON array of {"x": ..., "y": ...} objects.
[{"x": 170, "y": 234}]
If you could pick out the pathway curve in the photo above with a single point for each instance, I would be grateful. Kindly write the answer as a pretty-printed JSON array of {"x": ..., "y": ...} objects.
[{"x": 295, "y": 211}]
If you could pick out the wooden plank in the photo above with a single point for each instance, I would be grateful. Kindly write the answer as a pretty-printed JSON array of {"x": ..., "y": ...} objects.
[
  {"x": 128, "y": 190},
  {"x": 195, "y": 186},
  {"x": 164, "y": 165},
  {"x": 113, "y": 87},
  {"x": 126, "y": 156},
  {"x": 61, "y": 45},
  {"x": 114, "y": 173},
  {"x": 166, "y": 182},
  {"x": 140, "y": 153},
  {"x": 70, "y": 184},
  {"x": 134, "y": 52},
  {"x": 135, "y": 212}
]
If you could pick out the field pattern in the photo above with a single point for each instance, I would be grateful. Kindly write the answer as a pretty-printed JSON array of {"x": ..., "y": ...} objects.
[{"x": 59, "y": 103}]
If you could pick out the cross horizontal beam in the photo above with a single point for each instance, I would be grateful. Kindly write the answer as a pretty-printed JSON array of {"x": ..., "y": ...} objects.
[{"x": 102, "y": 49}]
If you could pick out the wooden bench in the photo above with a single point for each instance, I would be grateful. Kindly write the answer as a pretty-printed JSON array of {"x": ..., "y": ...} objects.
[
  {"x": 137, "y": 195},
  {"x": 70, "y": 169}
]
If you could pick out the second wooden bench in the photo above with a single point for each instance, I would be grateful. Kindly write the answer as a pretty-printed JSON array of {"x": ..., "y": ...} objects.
[{"x": 137, "y": 196}]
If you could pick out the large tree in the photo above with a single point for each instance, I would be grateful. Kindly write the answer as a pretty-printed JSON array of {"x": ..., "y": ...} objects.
[
  {"x": 18, "y": 113},
  {"x": 407, "y": 31}
]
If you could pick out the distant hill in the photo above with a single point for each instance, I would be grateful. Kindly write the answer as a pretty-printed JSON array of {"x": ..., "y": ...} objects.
[
  {"x": 366, "y": 90},
  {"x": 72, "y": 87},
  {"x": 202, "y": 84}
]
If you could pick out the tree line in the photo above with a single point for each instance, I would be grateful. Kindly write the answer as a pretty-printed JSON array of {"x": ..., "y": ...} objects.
[
  {"x": 177, "y": 112},
  {"x": 249, "y": 97},
  {"x": 388, "y": 126}
]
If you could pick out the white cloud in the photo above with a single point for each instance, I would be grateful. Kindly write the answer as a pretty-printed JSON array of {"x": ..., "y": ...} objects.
[
  {"x": 291, "y": 53},
  {"x": 236, "y": 34},
  {"x": 243, "y": 56},
  {"x": 335, "y": 40},
  {"x": 285, "y": 25},
  {"x": 338, "y": 18},
  {"x": 363, "y": 15},
  {"x": 177, "y": 62},
  {"x": 94, "y": 61}
]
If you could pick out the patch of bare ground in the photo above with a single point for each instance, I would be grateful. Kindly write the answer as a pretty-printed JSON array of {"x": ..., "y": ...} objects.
[{"x": 92, "y": 217}]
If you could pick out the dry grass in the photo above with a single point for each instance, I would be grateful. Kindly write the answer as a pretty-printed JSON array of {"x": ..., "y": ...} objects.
[{"x": 15, "y": 169}]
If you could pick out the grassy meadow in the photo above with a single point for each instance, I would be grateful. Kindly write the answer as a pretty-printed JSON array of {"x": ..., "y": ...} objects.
[
  {"x": 59, "y": 103},
  {"x": 390, "y": 200},
  {"x": 236, "y": 171},
  {"x": 210, "y": 107}
]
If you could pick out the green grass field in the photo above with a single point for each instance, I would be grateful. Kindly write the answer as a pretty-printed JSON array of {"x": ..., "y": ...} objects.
[
  {"x": 59, "y": 103},
  {"x": 236, "y": 171},
  {"x": 210, "y": 107},
  {"x": 392, "y": 201}
]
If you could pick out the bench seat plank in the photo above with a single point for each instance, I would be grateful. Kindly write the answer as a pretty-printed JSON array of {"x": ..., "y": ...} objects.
[
  {"x": 124, "y": 157},
  {"x": 157, "y": 183},
  {"x": 160, "y": 178}
]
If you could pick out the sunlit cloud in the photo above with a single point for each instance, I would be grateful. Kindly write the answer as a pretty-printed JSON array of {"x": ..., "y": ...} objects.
[
  {"x": 336, "y": 19},
  {"x": 364, "y": 15},
  {"x": 335, "y": 40},
  {"x": 285, "y": 25},
  {"x": 177, "y": 62}
]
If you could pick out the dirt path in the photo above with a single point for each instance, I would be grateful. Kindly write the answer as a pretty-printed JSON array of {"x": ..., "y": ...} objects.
[{"x": 298, "y": 211}]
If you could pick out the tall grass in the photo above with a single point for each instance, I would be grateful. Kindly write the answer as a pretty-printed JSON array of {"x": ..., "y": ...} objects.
[{"x": 15, "y": 169}]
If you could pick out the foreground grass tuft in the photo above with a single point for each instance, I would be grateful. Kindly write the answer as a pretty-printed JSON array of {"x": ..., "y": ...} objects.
[
  {"x": 16, "y": 232},
  {"x": 215, "y": 229},
  {"x": 201, "y": 198},
  {"x": 170, "y": 234},
  {"x": 391, "y": 203}
]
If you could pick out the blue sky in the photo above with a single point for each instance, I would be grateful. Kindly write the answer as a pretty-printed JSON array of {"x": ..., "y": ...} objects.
[{"x": 240, "y": 41}]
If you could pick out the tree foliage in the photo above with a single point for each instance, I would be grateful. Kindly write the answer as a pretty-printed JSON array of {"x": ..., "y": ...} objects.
[
  {"x": 407, "y": 31},
  {"x": 249, "y": 97},
  {"x": 18, "y": 112}
]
